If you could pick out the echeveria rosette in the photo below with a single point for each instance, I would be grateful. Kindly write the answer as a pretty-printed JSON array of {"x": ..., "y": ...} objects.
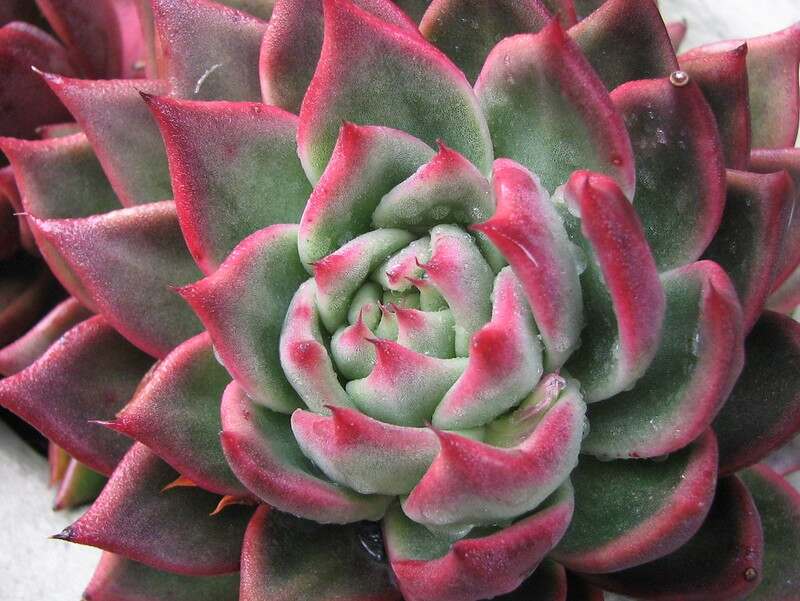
[{"x": 423, "y": 319}]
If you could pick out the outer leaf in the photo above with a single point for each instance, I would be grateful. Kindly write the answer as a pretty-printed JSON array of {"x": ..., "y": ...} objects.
[
  {"x": 467, "y": 31},
  {"x": 122, "y": 131},
  {"x": 25, "y": 350},
  {"x": 209, "y": 50},
  {"x": 784, "y": 159},
  {"x": 721, "y": 562},
  {"x": 103, "y": 38},
  {"x": 285, "y": 558},
  {"x": 168, "y": 530},
  {"x": 748, "y": 242},
  {"x": 626, "y": 40},
  {"x": 763, "y": 411},
  {"x": 175, "y": 413},
  {"x": 265, "y": 456},
  {"x": 293, "y": 42},
  {"x": 548, "y": 110},
  {"x": 671, "y": 498},
  {"x": 243, "y": 305},
  {"x": 235, "y": 170},
  {"x": 79, "y": 486},
  {"x": 772, "y": 65},
  {"x": 486, "y": 564},
  {"x": 698, "y": 361},
  {"x": 779, "y": 506},
  {"x": 530, "y": 234},
  {"x": 367, "y": 163},
  {"x": 59, "y": 177},
  {"x": 623, "y": 297},
  {"x": 680, "y": 170},
  {"x": 128, "y": 260},
  {"x": 722, "y": 76},
  {"x": 119, "y": 579},
  {"x": 26, "y": 101},
  {"x": 363, "y": 61},
  {"x": 59, "y": 460},
  {"x": 89, "y": 374},
  {"x": 677, "y": 33}
]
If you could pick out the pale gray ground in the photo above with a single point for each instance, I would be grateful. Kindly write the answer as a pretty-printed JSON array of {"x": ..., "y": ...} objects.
[{"x": 33, "y": 568}]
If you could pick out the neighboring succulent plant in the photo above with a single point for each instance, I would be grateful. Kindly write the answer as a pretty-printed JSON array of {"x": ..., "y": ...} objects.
[
  {"x": 440, "y": 374},
  {"x": 99, "y": 39}
]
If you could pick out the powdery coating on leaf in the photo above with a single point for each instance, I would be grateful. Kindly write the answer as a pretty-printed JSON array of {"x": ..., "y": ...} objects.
[
  {"x": 266, "y": 458},
  {"x": 671, "y": 501},
  {"x": 107, "y": 370},
  {"x": 367, "y": 455},
  {"x": 467, "y": 30},
  {"x": 399, "y": 325},
  {"x": 747, "y": 244},
  {"x": 249, "y": 178},
  {"x": 285, "y": 558},
  {"x": 623, "y": 279},
  {"x": 133, "y": 517},
  {"x": 120, "y": 579},
  {"x": 626, "y": 40},
  {"x": 505, "y": 362},
  {"x": 547, "y": 109},
  {"x": 763, "y": 411},
  {"x": 473, "y": 568},
  {"x": 680, "y": 172},
  {"x": 25, "y": 350},
  {"x": 129, "y": 261},
  {"x": 722, "y": 561},
  {"x": 699, "y": 360},
  {"x": 723, "y": 78},
  {"x": 122, "y": 132},
  {"x": 530, "y": 234},
  {"x": 176, "y": 413},
  {"x": 770, "y": 161},
  {"x": 209, "y": 51},
  {"x": 293, "y": 42},
  {"x": 102, "y": 39},
  {"x": 363, "y": 60}
]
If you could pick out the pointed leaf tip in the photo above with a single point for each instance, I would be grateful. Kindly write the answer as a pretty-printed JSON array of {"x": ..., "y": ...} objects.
[
  {"x": 547, "y": 109},
  {"x": 352, "y": 82}
]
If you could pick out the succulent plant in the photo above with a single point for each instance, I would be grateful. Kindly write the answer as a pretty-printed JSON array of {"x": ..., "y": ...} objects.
[
  {"x": 429, "y": 301},
  {"x": 97, "y": 39}
]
